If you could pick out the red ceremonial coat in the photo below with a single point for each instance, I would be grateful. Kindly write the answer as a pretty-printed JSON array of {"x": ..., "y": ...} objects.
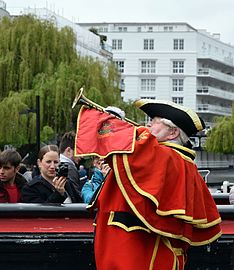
[{"x": 153, "y": 205}]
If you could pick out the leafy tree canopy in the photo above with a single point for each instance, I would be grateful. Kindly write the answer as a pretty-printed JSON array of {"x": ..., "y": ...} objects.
[
  {"x": 36, "y": 58},
  {"x": 220, "y": 138}
]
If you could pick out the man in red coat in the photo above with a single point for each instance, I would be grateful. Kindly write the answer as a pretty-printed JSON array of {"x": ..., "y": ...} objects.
[{"x": 154, "y": 203}]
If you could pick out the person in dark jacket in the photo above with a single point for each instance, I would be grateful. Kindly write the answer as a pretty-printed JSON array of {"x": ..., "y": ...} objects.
[
  {"x": 47, "y": 187},
  {"x": 66, "y": 148},
  {"x": 11, "y": 181}
]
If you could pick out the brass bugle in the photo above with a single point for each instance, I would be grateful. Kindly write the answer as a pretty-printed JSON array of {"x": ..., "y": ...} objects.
[{"x": 82, "y": 100}]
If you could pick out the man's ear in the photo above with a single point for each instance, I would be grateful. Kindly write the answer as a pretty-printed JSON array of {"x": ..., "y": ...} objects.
[
  {"x": 174, "y": 133},
  {"x": 17, "y": 168},
  {"x": 68, "y": 149},
  {"x": 69, "y": 152}
]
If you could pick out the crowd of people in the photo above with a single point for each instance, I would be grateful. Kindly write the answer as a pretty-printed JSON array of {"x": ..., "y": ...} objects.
[{"x": 76, "y": 184}]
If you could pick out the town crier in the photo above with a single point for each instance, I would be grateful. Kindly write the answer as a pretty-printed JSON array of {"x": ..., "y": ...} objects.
[{"x": 154, "y": 204}]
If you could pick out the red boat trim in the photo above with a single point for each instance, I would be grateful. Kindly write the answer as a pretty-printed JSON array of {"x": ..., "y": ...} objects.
[{"x": 41, "y": 225}]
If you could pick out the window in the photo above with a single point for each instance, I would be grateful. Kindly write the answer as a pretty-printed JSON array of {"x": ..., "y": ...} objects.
[
  {"x": 120, "y": 66},
  {"x": 168, "y": 28},
  {"x": 148, "y": 66},
  {"x": 150, "y": 29},
  {"x": 177, "y": 85},
  {"x": 148, "y": 44},
  {"x": 148, "y": 85},
  {"x": 178, "y": 44},
  {"x": 123, "y": 29},
  {"x": 178, "y": 100},
  {"x": 122, "y": 85},
  {"x": 116, "y": 44},
  {"x": 138, "y": 29},
  {"x": 178, "y": 67}
]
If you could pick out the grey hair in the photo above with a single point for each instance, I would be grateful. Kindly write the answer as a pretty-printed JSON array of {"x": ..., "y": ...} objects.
[{"x": 183, "y": 138}]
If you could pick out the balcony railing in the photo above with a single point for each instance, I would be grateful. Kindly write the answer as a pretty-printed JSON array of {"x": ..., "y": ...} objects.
[
  {"x": 227, "y": 60},
  {"x": 217, "y": 110},
  {"x": 212, "y": 164},
  {"x": 212, "y": 91},
  {"x": 208, "y": 72}
]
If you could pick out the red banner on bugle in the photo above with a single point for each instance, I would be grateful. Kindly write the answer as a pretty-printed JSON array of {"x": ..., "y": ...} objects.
[{"x": 100, "y": 133}]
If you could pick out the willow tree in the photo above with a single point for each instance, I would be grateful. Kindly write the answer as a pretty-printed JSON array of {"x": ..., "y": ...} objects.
[
  {"x": 220, "y": 138},
  {"x": 36, "y": 58}
]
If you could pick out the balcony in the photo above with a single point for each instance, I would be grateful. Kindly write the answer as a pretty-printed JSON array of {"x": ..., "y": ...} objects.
[
  {"x": 212, "y": 164},
  {"x": 214, "y": 109},
  {"x": 225, "y": 60},
  {"x": 208, "y": 72},
  {"x": 106, "y": 51},
  {"x": 215, "y": 92}
]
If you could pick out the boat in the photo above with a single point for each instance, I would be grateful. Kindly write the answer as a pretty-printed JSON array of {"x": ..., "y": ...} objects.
[{"x": 58, "y": 236}]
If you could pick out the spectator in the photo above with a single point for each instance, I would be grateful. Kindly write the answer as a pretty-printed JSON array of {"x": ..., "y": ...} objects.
[
  {"x": 82, "y": 173},
  {"x": 66, "y": 147},
  {"x": 99, "y": 173},
  {"x": 27, "y": 174},
  {"x": 11, "y": 181},
  {"x": 47, "y": 187}
]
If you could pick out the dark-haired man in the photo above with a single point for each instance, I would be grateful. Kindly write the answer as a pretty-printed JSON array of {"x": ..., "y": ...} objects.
[
  {"x": 66, "y": 148},
  {"x": 11, "y": 182}
]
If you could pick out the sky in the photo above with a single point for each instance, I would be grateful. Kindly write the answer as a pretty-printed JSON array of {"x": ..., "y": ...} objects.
[{"x": 216, "y": 16}]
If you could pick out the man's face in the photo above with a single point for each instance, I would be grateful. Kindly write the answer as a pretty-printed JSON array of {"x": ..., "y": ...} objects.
[
  {"x": 69, "y": 153},
  {"x": 7, "y": 173},
  {"x": 161, "y": 131}
]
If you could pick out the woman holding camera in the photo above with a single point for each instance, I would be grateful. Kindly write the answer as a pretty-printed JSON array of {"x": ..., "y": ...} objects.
[{"x": 49, "y": 187}]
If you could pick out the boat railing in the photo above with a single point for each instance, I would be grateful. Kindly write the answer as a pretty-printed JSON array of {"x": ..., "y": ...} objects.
[
  {"x": 32, "y": 210},
  {"x": 204, "y": 174},
  {"x": 77, "y": 210}
]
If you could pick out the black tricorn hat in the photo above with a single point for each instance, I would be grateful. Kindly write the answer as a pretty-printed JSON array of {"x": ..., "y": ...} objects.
[{"x": 184, "y": 118}]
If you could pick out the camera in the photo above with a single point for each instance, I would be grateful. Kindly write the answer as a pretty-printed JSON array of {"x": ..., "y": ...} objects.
[{"x": 62, "y": 170}]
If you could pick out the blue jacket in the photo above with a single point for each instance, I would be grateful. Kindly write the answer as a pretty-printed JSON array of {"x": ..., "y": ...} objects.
[{"x": 91, "y": 186}]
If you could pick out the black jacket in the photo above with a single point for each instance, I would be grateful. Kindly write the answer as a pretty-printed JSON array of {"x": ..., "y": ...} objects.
[{"x": 41, "y": 191}]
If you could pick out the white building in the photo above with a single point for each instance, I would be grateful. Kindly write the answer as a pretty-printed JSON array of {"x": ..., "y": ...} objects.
[
  {"x": 173, "y": 61},
  {"x": 3, "y": 11},
  {"x": 88, "y": 44},
  {"x": 177, "y": 62}
]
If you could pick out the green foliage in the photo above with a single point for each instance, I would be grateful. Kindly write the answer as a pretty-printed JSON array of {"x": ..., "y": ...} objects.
[
  {"x": 36, "y": 58},
  {"x": 220, "y": 139},
  {"x": 47, "y": 134}
]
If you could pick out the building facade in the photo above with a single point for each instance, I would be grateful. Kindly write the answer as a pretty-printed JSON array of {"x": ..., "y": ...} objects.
[
  {"x": 3, "y": 11},
  {"x": 174, "y": 61},
  {"x": 88, "y": 44}
]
